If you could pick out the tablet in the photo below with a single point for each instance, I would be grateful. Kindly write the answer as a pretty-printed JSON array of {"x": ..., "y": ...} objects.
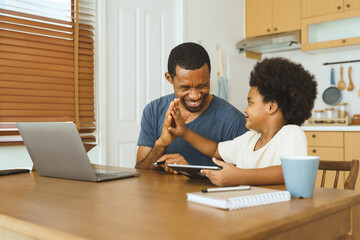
[{"x": 192, "y": 171}]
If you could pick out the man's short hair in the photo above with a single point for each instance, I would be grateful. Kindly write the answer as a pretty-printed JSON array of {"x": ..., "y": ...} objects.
[{"x": 189, "y": 56}]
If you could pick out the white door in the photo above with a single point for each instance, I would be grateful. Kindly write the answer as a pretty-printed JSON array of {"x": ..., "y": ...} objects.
[{"x": 139, "y": 37}]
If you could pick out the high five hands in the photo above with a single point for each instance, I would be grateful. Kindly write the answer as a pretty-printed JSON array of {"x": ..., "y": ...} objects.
[
  {"x": 167, "y": 136},
  {"x": 178, "y": 128}
]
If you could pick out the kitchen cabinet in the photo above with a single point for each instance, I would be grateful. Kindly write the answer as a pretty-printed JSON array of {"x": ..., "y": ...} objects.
[
  {"x": 328, "y": 146},
  {"x": 334, "y": 146},
  {"x": 311, "y": 8},
  {"x": 332, "y": 30},
  {"x": 352, "y": 149},
  {"x": 264, "y": 17}
]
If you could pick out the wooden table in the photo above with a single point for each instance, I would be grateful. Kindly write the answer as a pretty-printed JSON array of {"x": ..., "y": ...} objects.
[{"x": 154, "y": 206}]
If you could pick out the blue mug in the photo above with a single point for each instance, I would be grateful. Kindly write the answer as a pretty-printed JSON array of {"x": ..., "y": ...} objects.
[{"x": 300, "y": 175}]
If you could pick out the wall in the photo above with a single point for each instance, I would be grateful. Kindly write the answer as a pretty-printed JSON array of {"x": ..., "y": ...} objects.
[
  {"x": 222, "y": 26},
  {"x": 313, "y": 61},
  {"x": 18, "y": 157}
]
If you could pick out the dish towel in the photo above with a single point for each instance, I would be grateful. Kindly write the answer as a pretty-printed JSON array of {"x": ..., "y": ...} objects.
[{"x": 223, "y": 88}]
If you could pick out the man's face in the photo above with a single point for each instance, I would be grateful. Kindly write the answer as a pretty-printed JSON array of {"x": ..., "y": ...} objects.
[{"x": 192, "y": 87}]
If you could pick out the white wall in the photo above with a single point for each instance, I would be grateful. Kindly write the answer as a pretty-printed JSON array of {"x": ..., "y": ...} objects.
[
  {"x": 18, "y": 157},
  {"x": 314, "y": 63},
  {"x": 221, "y": 23}
]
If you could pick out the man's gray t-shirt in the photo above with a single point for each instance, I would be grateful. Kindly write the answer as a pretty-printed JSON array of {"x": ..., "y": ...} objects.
[{"x": 219, "y": 122}]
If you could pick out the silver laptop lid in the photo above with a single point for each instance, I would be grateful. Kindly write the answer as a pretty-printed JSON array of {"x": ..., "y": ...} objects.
[{"x": 56, "y": 150}]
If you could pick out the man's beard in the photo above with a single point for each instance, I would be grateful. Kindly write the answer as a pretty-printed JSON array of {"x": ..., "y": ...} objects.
[{"x": 194, "y": 109}]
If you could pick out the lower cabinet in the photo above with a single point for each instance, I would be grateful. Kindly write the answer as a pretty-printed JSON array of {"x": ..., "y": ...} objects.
[
  {"x": 334, "y": 146},
  {"x": 352, "y": 150}
]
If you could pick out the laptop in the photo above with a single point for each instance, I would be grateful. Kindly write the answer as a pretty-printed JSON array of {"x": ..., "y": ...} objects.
[{"x": 57, "y": 151}]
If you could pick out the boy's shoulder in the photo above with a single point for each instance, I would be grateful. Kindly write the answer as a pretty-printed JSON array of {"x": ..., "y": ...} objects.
[
  {"x": 292, "y": 128},
  {"x": 292, "y": 131}
]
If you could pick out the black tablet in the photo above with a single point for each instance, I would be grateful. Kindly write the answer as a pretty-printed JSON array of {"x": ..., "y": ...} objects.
[{"x": 192, "y": 171}]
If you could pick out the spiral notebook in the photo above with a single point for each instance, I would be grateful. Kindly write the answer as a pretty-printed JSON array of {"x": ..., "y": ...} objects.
[{"x": 256, "y": 196}]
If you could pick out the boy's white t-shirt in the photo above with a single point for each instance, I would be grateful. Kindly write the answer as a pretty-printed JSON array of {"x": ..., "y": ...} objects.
[{"x": 290, "y": 140}]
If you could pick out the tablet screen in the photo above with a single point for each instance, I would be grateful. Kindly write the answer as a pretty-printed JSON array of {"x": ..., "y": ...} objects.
[{"x": 192, "y": 171}]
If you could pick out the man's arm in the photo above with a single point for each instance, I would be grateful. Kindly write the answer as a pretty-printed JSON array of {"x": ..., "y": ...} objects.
[{"x": 147, "y": 156}]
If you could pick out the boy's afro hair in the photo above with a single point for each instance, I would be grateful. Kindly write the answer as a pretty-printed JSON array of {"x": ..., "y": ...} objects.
[{"x": 287, "y": 83}]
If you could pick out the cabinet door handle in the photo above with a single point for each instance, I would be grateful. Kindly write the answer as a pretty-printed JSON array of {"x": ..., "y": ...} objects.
[
  {"x": 347, "y": 5},
  {"x": 268, "y": 29},
  {"x": 314, "y": 135},
  {"x": 314, "y": 150},
  {"x": 275, "y": 29},
  {"x": 343, "y": 41},
  {"x": 338, "y": 7}
]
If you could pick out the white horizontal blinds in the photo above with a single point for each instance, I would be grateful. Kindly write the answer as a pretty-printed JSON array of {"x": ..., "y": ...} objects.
[{"x": 37, "y": 66}]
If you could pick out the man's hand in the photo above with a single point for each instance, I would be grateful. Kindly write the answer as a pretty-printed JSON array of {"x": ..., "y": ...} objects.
[
  {"x": 227, "y": 176},
  {"x": 167, "y": 137},
  {"x": 171, "y": 159},
  {"x": 178, "y": 129}
]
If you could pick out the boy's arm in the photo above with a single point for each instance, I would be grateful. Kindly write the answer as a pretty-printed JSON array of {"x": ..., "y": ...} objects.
[
  {"x": 202, "y": 144},
  {"x": 231, "y": 175}
]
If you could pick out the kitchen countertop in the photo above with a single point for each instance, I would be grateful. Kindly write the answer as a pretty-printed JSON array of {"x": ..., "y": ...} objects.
[{"x": 350, "y": 128}]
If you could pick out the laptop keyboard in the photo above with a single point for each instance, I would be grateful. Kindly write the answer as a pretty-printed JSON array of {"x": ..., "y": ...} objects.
[{"x": 106, "y": 175}]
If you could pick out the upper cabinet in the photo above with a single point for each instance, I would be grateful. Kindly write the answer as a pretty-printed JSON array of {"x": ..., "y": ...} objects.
[
  {"x": 329, "y": 24},
  {"x": 264, "y": 17},
  {"x": 313, "y": 8}
]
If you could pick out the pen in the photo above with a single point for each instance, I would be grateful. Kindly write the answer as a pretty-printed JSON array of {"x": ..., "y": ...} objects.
[
  {"x": 222, "y": 189},
  {"x": 159, "y": 163}
]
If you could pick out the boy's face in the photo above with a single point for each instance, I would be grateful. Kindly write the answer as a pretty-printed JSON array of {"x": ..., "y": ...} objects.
[
  {"x": 256, "y": 112},
  {"x": 192, "y": 87}
]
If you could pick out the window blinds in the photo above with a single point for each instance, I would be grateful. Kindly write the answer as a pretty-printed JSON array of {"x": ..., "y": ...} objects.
[{"x": 46, "y": 65}]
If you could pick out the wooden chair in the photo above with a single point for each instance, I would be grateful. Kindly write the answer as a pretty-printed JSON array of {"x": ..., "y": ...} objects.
[{"x": 348, "y": 166}]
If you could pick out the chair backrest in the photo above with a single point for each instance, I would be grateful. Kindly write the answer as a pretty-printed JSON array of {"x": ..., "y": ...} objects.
[{"x": 347, "y": 166}]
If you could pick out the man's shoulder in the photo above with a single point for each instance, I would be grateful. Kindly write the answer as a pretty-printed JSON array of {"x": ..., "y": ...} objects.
[{"x": 227, "y": 108}]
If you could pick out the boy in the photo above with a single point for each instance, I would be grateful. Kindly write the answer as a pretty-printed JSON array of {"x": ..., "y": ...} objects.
[{"x": 281, "y": 98}]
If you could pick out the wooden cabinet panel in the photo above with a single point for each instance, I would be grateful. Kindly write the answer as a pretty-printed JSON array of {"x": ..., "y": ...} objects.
[
  {"x": 312, "y": 34},
  {"x": 263, "y": 17},
  {"x": 332, "y": 146},
  {"x": 312, "y": 8},
  {"x": 327, "y": 153},
  {"x": 352, "y": 149},
  {"x": 258, "y": 17},
  {"x": 325, "y": 139},
  {"x": 351, "y": 4},
  {"x": 352, "y": 145},
  {"x": 286, "y": 15},
  {"x": 328, "y": 146}
]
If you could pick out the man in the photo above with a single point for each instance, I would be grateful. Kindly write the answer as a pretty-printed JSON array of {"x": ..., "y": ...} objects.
[{"x": 212, "y": 117}]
